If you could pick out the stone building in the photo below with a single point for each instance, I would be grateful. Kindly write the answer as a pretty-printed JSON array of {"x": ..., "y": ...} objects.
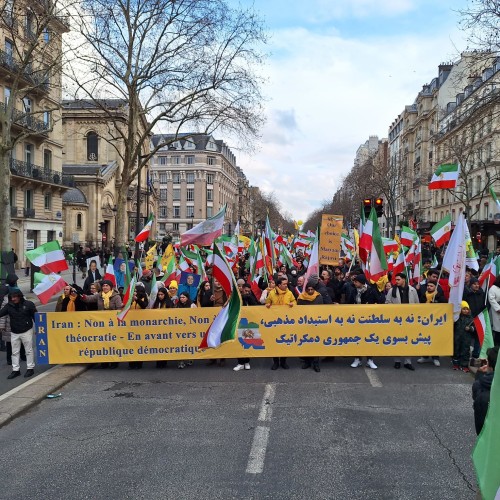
[{"x": 93, "y": 157}]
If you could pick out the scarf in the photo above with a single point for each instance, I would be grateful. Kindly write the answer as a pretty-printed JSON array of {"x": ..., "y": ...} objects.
[
  {"x": 281, "y": 296},
  {"x": 307, "y": 297},
  {"x": 71, "y": 304},
  {"x": 106, "y": 297},
  {"x": 429, "y": 297},
  {"x": 359, "y": 292}
]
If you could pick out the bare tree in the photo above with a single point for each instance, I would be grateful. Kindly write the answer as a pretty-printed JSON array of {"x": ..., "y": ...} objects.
[
  {"x": 180, "y": 65},
  {"x": 32, "y": 61}
]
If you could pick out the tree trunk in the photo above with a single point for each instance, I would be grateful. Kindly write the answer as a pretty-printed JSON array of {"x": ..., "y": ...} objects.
[{"x": 5, "y": 243}]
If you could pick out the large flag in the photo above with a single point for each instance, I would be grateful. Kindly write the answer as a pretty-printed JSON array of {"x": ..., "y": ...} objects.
[
  {"x": 269, "y": 250},
  {"x": 144, "y": 234},
  {"x": 204, "y": 233},
  {"x": 109, "y": 273},
  {"x": 454, "y": 263},
  {"x": 313, "y": 266},
  {"x": 489, "y": 274},
  {"x": 223, "y": 327},
  {"x": 167, "y": 256},
  {"x": 441, "y": 231},
  {"x": 494, "y": 196},
  {"x": 484, "y": 332},
  {"x": 377, "y": 262},
  {"x": 445, "y": 177},
  {"x": 47, "y": 285},
  {"x": 485, "y": 454},
  {"x": 48, "y": 257}
]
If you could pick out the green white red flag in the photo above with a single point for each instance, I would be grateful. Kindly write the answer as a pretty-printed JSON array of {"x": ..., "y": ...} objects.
[
  {"x": 127, "y": 300},
  {"x": 377, "y": 262},
  {"x": 441, "y": 231},
  {"x": 445, "y": 177},
  {"x": 109, "y": 273},
  {"x": 484, "y": 333},
  {"x": 494, "y": 196},
  {"x": 204, "y": 233},
  {"x": 408, "y": 236},
  {"x": 49, "y": 257},
  {"x": 223, "y": 327},
  {"x": 47, "y": 285},
  {"x": 144, "y": 234}
]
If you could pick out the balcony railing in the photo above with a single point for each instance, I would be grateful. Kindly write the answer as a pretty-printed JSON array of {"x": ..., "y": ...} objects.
[
  {"x": 37, "y": 78},
  {"x": 26, "y": 120},
  {"x": 29, "y": 213},
  {"x": 24, "y": 169}
]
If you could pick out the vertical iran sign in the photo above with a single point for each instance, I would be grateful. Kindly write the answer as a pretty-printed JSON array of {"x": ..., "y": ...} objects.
[{"x": 330, "y": 239}]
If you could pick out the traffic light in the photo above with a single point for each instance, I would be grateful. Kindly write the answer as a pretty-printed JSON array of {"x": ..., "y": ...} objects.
[
  {"x": 379, "y": 206},
  {"x": 367, "y": 206},
  {"x": 478, "y": 237},
  {"x": 102, "y": 227}
]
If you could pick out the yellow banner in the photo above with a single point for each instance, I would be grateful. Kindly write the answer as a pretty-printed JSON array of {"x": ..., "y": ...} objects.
[
  {"x": 330, "y": 239},
  {"x": 327, "y": 330}
]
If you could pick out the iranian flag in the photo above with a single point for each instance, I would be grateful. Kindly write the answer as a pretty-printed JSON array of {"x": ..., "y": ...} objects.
[
  {"x": 47, "y": 285},
  {"x": 445, "y": 177},
  {"x": 48, "y": 257},
  {"x": 109, "y": 273},
  {"x": 313, "y": 265},
  {"x": 204, "y": 233},
  {"x": 399, "y": 266},
  {"x": 144, "y": 234},
  {"x": 127, "y": 300},
  {"x": 484, "y": 333},
  {"x": 494, "y": 196},
  {"x": 408, "y": 236},
  {"x": 377, "y": 262},
  {"x": 441, "y": 231},
  {"x": 489, "y": 274},
  {"x": 223, "y": 327}
]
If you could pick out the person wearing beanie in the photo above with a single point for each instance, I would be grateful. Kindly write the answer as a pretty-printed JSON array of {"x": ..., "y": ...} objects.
[
  {"x": 320, "y": 287},
  {"x": 21, "y": 313},
  {"x": 402, "y": 293},
  {"x": 475, "y": 296},
  {"x": 462, "y": 332},
  {"x": 173, "y": 291},
  {"x": 364, "y": 294}
]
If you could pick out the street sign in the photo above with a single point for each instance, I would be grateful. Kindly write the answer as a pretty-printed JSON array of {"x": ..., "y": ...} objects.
[
  {"x": 30, "y": 244},
  {"x": 103, "y": 236},
  {"x": 75, "y": 238}
]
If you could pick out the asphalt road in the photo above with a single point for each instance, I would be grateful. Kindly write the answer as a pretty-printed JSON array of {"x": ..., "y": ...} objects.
[{"x": 209, "y": 432}]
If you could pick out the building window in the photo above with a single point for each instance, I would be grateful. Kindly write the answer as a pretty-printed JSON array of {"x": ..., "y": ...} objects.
[
  {"x": 189, "y": 211},
  {"x": 28, "y": 198},
  {"x": 190, "y": 159},
  {"x": 163, "y": 211},
  {"x": 6, "y": 95},
  {"x": 47, "y": 118},
  {"x": 190, "y": 194},
  {"x": 163, "y": 194},
  {"x": 27, "y": 104},
  {"x": 210, "y": 178},
  {"x": 210, "y": 212},
  {"x": 163, "y": 178},
  {"x": 162, "y": 226},
  {"x": 78, "y": 221},
  {"x": 176, "y": 177},
  {"x": 92, "y": 146},
  {"x": 9, "y": 51},
  {"x": 47, "y": 201},
  {"x": 210, "y": 195},
  {"x": 47, "y": 159},
  {"x": 210, "y": 160},
  {"x": 175, "y": 226},
  {"x": 190, "y": 177},
  {"x": 177, "y": 212},
  {"x": 176, "y": 160},
  {"x": 163, "y": 160},
  {"x": 28, "y": 153},
  {"x": 46, "y": 35},
  {"x": 176, "y": 194},
  {"x": 30, "y": 24}
]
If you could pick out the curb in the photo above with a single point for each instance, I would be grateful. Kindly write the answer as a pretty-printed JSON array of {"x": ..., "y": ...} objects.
[{"x": 20, "y": 399}]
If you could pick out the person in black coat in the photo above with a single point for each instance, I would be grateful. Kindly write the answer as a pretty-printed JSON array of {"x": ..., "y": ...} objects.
[
  {"x": 481, "y": 388},
  {"x": 321, "y": 288},
  {"x": 476, "y": 298}
]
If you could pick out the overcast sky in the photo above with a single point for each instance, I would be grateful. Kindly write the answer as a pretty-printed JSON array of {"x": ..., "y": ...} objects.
[{"x": 340, "y": 71}]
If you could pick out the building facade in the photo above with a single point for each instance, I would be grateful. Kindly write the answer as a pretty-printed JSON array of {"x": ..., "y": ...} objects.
[
  {"x": 31, "y": 105},
  {"x": 93, "y": 157},
  {"x": 196, "y": 176}
]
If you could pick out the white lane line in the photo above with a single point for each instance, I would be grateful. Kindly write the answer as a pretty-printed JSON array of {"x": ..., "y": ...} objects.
[
  {"x": 257, "y": 455},
  {"x": 258, "y": 452},
  {"x": 373, "y": 377},
  {"x": 266, "y": 408}
]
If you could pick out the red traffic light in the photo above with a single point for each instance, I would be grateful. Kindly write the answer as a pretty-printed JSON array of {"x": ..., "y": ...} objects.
[
  {"x": 379, "y": 201},
  {"x": 367, "y": 202}
]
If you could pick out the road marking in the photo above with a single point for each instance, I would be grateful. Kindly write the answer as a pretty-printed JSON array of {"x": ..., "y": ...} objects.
[
  {"x": 27, "y": 384},
  {"x": 258, "y": 452},
  {"x": 373, "y": 377},
  {"x": 257, "y": 455},
  {"x": 266, "y": 408}
]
